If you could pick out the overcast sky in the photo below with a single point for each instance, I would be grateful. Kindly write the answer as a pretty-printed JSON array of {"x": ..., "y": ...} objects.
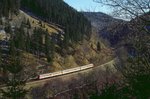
[{"x": 87, "y": 5}]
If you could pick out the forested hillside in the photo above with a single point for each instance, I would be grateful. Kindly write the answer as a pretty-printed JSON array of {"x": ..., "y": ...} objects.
[
  {"x": 110, "y": 29},
  {"x": 43, "y": 36},
  {"x": 58, "y": 12},
  {"x": 48, "y": 34},
  {"x": 9, "y": 7}
]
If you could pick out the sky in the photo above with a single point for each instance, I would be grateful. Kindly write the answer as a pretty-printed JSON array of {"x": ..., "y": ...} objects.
[{"x": 88, "y": 5}]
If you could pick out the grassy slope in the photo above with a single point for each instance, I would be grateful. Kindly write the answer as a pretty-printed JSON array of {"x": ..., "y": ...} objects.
[
  {"x": 84, "y": 53},
  {"x": 33, "y": 62}
]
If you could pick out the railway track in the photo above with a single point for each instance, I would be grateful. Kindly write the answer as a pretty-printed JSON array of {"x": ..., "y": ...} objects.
[
  {"x": 48, "y": 79},
  {"x": 34, "y": 82}
]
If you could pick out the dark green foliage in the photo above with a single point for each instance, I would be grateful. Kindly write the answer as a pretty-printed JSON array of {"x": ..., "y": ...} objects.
[
  {"x": 1, "y": 67},
  {"x": 76, "y": 96},
  {"x": 8, "y": 28},
  {"x": 15, "y": 85},
  {"x": 57, "y": 11},
  {"x": 137, "y": 75},
  {"x": 112, "y": 91},
  {"x": 1, "y": 21},
  {"x": 9, "y": 7},
  {"x": 29, "y": 24},
  {"x": 98, "y": 46},
  {"x": 4, "y": 11},
  {"x": 37, "y": 39},
  {"x": 14, "y": 82},
  {"x": 42, "y": 43},
  {"x": 15, "y": 65},
  {"x": 49, "y": 48},
  {"x": 12, "y": 48},
  {"x": 109, "y": 91},
  {"x": 15, "y": 90},
  {"x": 39, "y": 43},
  {"x": 19, "y": 38},
  {"x": 28, "y": 42}
]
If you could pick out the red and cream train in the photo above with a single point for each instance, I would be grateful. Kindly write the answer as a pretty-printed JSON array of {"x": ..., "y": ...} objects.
[{"x": 63, "y": 72}]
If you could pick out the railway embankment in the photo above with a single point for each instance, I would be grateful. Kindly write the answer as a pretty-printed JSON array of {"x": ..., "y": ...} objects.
[{"x": 109, "y": 65}]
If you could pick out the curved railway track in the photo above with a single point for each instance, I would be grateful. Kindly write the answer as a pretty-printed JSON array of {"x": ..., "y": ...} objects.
[
  {"x": 34, "y": 82},
  {"x": 48, "y": 79}
]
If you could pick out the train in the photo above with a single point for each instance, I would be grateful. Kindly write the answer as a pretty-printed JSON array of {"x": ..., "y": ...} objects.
[{"x": 63, "y": 72}]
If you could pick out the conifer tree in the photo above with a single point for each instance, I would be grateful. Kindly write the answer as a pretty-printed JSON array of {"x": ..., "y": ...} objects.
[
  {"x": 49, "y": 48},
  {"x": 14, "y": 82},
  {"x": 98, "y": 46},
  {"x": 28, "y": 42},
  {"x": 75, "y": 25},
  {"x": 29, "y": 24},
  {"x": 9, "y": 7}
]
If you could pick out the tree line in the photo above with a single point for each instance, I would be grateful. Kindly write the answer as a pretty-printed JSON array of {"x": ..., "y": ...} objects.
[
  {"x": 57, "y": 11},
  {"x": 9, "y": 7}
]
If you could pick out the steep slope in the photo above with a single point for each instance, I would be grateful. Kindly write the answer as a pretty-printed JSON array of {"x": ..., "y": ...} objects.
[
  {"x": 34, "y": 63},
  {"x": 23, "y": 16},
  {"x": 122, "y": 35},
  {"x": 112, "y": 30},
  {"x": 115, "y": 33},
  {"x": 101, "y": 20},
  {"x": 76, "y": 27},
  {"x": 42, "y": 40},
  {"x": 57, "y": 11},
  {"x": 52, "y": 36}
]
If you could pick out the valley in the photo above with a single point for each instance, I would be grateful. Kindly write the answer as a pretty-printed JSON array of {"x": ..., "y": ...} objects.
[{"x": 52, "y": 49}]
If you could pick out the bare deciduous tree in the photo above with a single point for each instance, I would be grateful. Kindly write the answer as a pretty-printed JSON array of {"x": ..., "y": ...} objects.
[
  {"x": 127, "y": 8},
  {"x": 136, "y": 70}
]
